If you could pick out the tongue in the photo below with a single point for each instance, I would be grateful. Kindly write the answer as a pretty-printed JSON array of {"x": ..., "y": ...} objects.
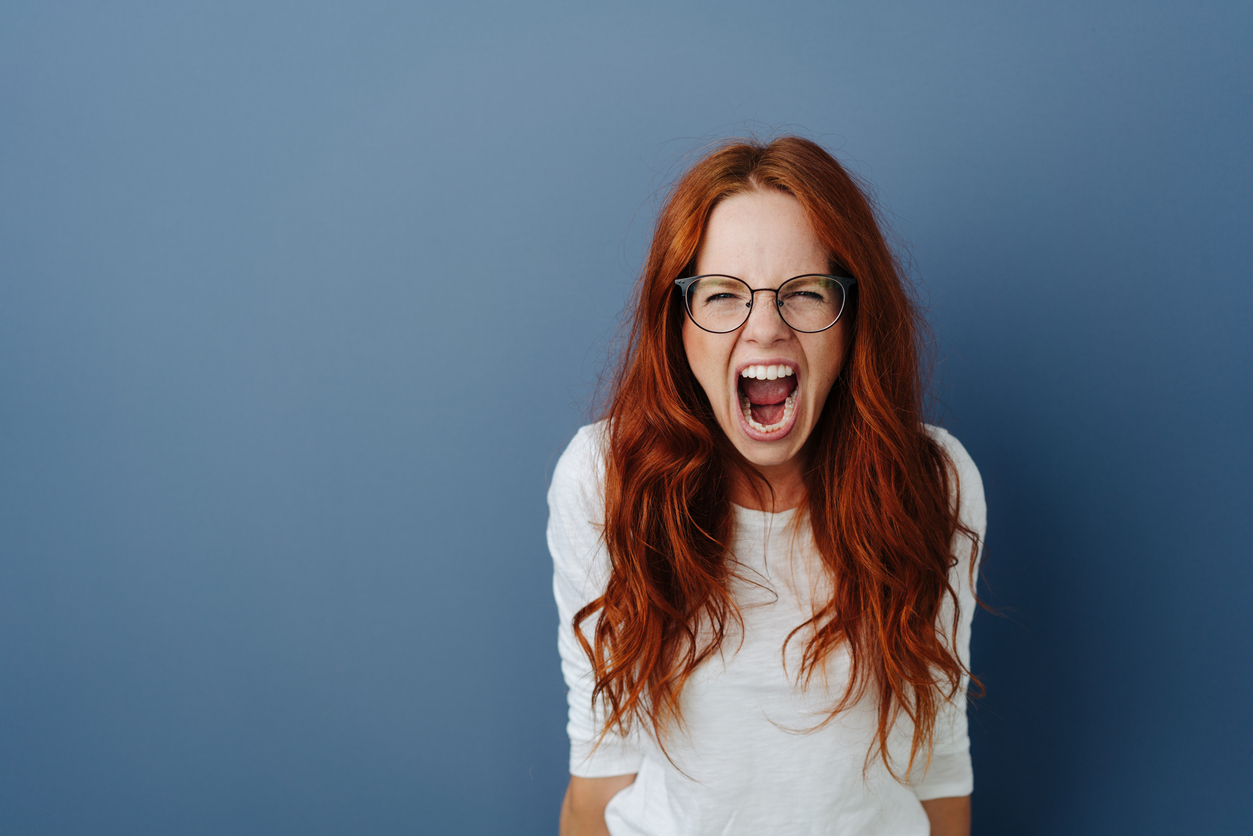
[
  {"x": 766, "y": 415},
  {"x": 762, "y": 392},
  {"x": 766, "y": 397}
]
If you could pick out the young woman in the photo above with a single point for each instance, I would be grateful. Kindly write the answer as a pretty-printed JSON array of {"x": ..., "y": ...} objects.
[{"x": 764, "y": 560}]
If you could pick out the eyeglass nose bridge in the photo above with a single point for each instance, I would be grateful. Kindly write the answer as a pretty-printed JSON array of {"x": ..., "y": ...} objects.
[{"x": 752, "y": 299}]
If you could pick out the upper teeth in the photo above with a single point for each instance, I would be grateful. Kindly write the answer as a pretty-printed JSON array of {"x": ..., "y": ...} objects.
[{"x": 766, "y": 372}]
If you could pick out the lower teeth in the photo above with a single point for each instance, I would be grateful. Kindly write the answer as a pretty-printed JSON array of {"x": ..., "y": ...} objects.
[{"x": 788, "y": 407}]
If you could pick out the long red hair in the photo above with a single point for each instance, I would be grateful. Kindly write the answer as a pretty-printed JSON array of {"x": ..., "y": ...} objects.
[{"x": 878, "y": 487}]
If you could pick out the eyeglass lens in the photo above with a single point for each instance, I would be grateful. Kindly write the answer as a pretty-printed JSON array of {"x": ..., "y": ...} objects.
[{"x": 807, "y": 303}]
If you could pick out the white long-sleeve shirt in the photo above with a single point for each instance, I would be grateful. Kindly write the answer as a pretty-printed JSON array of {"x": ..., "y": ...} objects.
[{"x": 752, "y": 757}]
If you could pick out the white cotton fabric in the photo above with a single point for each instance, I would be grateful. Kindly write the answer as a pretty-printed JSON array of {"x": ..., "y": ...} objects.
[{"x": 750, "y": 759}]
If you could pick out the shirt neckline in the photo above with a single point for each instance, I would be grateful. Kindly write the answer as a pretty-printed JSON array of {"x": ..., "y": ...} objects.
[{"x": 763, "y": 519}]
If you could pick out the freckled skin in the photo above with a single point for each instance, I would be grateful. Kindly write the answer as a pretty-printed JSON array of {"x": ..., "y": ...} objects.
[{"x": 764, "y": 238}]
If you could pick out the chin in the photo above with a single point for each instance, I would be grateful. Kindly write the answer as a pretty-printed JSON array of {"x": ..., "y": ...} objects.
[{"x": 775, "y": 448}]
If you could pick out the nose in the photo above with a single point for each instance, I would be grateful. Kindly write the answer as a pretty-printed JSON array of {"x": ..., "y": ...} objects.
[{"x": 765, "y": 323}]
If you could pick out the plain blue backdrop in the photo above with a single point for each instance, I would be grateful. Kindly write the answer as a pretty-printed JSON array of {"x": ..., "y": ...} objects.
[{"x": 300, "y": 301}]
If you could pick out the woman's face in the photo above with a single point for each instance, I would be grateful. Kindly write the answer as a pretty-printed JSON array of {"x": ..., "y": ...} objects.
[{"x": 764, "y": 238}]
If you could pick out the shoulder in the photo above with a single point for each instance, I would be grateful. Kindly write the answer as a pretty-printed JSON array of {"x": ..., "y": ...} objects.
[
  {"x": 576, "y": 501},
  {"x": 579, "y": 474},
  {"x": 962, "y": 463},
  {"x": 968, "y": 484},
  {"x": 576, "y": 497},
  {"x": 588, "y": 445}
]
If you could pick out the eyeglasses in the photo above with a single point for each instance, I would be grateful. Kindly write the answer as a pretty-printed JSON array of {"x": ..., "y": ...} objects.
[{"x": 721, "y": 304}]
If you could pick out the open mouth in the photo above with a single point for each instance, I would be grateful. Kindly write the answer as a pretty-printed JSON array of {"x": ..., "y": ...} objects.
[{"x": 767, "y": 396}]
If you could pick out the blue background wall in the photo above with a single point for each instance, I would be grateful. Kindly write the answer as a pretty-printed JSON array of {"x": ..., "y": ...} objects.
[{"x": 300, "y": 301}]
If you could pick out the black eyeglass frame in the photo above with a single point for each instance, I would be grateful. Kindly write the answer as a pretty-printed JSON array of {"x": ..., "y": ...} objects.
[{"x": 846, "y": 284}]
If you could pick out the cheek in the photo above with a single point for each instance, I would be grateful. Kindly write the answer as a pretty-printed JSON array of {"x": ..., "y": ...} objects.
[
  {"x": 700, "y": 356},
  {"x": 832, "y": 356}
]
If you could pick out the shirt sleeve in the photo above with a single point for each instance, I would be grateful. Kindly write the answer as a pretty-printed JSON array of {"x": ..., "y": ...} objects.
[
  {"x": 949, "y": 773},
  {"x": 580, "y": 573}
]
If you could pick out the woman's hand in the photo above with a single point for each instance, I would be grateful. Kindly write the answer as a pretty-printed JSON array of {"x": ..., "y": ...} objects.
[
  {"x": 583, "y": 811},
  {"x": 949, "y": 816}
]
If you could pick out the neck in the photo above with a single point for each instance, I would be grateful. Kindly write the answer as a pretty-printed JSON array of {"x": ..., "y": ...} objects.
[{"x": 787, "y": 489}]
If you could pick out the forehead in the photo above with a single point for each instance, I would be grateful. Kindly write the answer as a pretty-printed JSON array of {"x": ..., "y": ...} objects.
[{"x": 760, "y": 236}]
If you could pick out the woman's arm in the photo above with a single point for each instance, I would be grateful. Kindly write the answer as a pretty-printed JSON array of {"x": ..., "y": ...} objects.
[
  {"x": 948, "y": 816},
  {"x": 580, "y": 569},
  {"x": 583, "y": 811}
]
